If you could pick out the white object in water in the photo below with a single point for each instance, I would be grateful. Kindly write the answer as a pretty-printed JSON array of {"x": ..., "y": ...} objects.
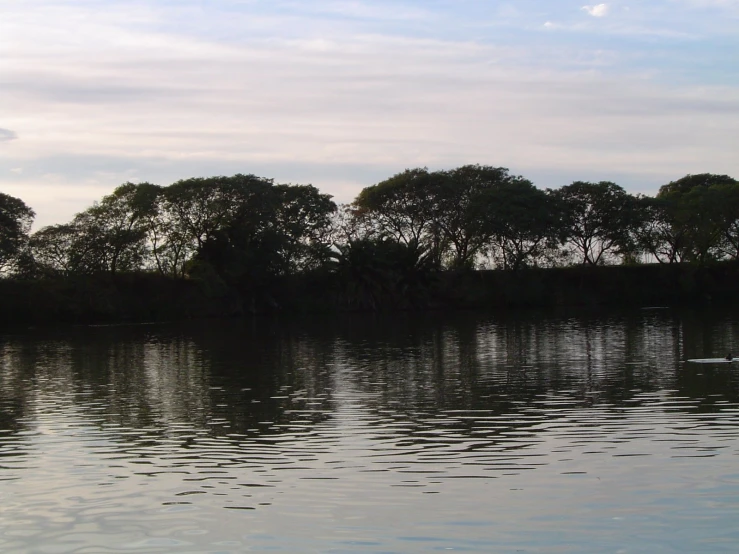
[{"x": 713, "y": 360}]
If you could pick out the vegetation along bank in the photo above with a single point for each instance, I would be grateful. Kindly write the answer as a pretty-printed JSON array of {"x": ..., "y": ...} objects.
[{"x": 470, "y": 237}]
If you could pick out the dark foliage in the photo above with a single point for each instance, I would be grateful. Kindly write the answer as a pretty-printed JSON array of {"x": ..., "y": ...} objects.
[{"x": 418, "y": 240}]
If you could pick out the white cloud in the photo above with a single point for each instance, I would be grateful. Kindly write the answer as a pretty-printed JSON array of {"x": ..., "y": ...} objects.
[
  {"x": 123, "y": 98},
  {"x": 598, "y": 10}
]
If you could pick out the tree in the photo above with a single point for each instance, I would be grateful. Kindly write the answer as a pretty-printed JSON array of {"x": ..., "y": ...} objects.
[
  {"x": 401, "y": 206},
  {"x": 697, "y": 215},
  {"x": 596, "y": 218},
  {"x": 729, "y": 213},
  {"x": 203, "y": 207},
  {"x": 462, "y": 210},
  {"x": 268, "y": 230},
  {"x": 303, "y": 218},
  {"x": 346, "y": 226},
  {"x": 168, "y": 246},
  {"x": 523, "y": 220},
  {"x": 15, "y": 224},
  {"x": 451, "y": 214},
  {"x": 690, "y": 183},
  {"x": 701, "y": 214},
  {"x": 112, "y": 234},
  {"x": 51, "y": 250},
  {"x": 657, "y": 234}
]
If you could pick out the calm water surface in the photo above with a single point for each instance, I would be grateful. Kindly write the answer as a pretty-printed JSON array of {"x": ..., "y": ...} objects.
[{"x": 463, "y": 433}]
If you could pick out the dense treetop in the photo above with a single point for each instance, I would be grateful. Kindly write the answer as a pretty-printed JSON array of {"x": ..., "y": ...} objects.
[{"x": 246, "y": 230}]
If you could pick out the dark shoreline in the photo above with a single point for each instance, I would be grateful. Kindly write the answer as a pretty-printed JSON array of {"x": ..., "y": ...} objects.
[{"x": 147, "y": 297}]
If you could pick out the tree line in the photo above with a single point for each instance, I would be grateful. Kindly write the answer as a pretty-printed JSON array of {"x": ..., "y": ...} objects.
[{"x": 246, "y": 230}]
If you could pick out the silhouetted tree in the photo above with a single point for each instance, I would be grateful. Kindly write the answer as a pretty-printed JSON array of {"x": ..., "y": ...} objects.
[
  {"x": 465, "y": 199},
  {"x": 112, "y": 234},
  {"x": 15, "y": 224},
  {"x": 401, "y": 207},
  {"x": 656, "y": 234},
  {"x": 696, "y": 218},
  {"x": 524, "y": 223},
  {"x": 268, "y": 230},
  {"x": 596, "y": 218},
  {"x": 50, "y": 250}
]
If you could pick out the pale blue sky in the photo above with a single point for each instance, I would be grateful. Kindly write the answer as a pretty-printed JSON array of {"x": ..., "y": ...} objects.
[{"x": 342, "y": 94}]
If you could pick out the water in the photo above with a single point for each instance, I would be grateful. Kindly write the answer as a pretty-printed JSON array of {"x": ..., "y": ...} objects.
[{"x": 459, "y": 433}]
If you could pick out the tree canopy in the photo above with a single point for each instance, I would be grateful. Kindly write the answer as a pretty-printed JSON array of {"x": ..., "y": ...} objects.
[
  {"x": 596, "y": 218},
  {"x": 698, "y": 219},
  {"x": 15, "y": 224},
  {"x": 247, "y": 230}
]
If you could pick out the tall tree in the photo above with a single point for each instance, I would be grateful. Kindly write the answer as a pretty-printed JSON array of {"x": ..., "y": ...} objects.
[
  {"x": 112, "y": 234},
  {"x": 269, "y": 230},
  {"x": 597, "y": 218},
  {"x": 468, "y": 202},
  {"x": 524, "y": 223},
  {"x": 690, "y": 183},
  {"x": 462, "y": 210},
  {"x": 702, "y": 212},
  {"x": 401, "y": 207},
  {"x": 51, "y": 250},
  {"x": 15, "y": 225},
  {"x": 201, "y": 206},
  {"x": 450, "y": 214},
  {"x": 657, "y": 233},
  {"x": 729, "y": 214},
  {"x": 304, "y": 220}
]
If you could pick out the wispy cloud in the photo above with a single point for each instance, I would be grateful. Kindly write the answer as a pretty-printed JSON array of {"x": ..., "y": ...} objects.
[
  {"x": 598, "y": 10},
  {"x": 7, "y": 134},
  {"x": 377, "y": 10},
  {"x": 730, "y": 4},
  {"x": 128, "y": 91}
]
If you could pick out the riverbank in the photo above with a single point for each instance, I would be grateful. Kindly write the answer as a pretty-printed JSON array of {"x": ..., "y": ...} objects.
[
  {"x": 587, "y": 286},
  {"x": 150, "y": 297}
]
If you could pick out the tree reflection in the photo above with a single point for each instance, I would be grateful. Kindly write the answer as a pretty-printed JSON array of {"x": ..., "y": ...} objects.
[{"x": 270, "y": 377}]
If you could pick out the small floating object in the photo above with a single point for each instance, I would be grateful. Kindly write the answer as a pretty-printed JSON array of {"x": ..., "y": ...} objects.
[{"x": 727, "y": 360}]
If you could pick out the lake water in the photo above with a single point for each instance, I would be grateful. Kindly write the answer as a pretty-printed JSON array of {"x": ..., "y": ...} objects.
[{"x": 463, "y": 433}]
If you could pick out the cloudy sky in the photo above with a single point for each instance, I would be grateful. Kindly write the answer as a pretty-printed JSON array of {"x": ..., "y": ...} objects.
[{"x": 343, "y": 94}]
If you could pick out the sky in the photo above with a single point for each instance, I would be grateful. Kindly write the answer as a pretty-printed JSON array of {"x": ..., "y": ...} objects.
[{"x": 344, "y": 94}]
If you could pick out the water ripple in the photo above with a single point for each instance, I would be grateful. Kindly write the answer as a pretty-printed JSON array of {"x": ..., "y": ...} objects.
[{"x": 477, "y": 437}]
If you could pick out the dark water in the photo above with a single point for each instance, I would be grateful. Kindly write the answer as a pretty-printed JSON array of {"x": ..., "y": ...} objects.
[{"x": 464, "y": 433}]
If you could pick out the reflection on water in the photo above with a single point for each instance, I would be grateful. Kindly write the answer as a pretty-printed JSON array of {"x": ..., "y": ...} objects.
[{"x": 462, "y": 433}]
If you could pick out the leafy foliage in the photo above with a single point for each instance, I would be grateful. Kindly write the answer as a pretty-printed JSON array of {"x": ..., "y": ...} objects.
[
  {"x": 524, "y": 223},
  {"x": 15, "y": 224},
  {"x": 465, "y": 198},
  {"x": 696, "y": 219},
  {"x": 239, "y": 237},
  {"x": 401, "y": 206},
  {"x": 381, "y": 272},
  {"x": 596, "y": 219}
]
